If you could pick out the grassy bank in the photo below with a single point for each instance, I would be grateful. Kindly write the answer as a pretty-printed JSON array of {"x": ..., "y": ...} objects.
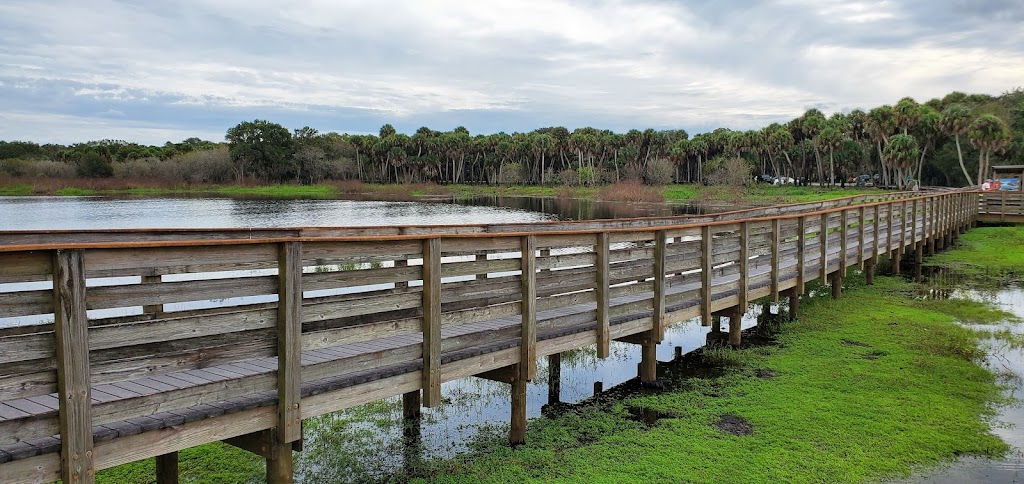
[
  {"x": 756, "y": 194},
  {"x": 866, "y": 387},
  {"x": 987, "y": 251}
]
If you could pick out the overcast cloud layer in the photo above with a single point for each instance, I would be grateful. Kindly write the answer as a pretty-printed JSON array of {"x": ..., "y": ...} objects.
[{"x": 76, "y": 70}]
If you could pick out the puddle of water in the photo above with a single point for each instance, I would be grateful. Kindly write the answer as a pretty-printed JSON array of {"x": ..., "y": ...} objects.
[
  {"x": 371, "y": 443},
  {"x": 1007, "y": 362}
]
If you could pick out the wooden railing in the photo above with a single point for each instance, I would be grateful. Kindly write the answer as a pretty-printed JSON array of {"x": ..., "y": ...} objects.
[
  {"x": 1001, "y": 207},
  {"x": 124, "y": 349},
  {"x": 20, "y": 237}
]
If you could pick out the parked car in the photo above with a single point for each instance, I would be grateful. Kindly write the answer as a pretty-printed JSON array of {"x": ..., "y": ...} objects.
[{"x": 783, "y": 180}]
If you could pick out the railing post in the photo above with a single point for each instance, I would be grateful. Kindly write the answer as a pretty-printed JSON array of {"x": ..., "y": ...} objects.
[
  {"x": 823, "y": 245},
  {"x": 913, "y": 222},
  {"x": 431, "y": 322},
  {"x": 289, "y": 342},
  {"x": 603, "y": 318},
  {"x": 801, "y": 254},
  {"x": 889, "y": 243},
  {"x": 705, "y": 275},
  {"x": 843, "y": 226},
  {"x": 71, "y": 325},
  {"x": 658, "y": 323},
  {"x": 744, "y": 286},
  {"x": 528, "y": 332},
  {"x": 861, "y": 250},
  {"x": 776, "y": 244}
]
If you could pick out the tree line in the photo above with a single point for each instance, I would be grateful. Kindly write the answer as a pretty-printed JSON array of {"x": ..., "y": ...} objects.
[{"x": 950, "y": 141}]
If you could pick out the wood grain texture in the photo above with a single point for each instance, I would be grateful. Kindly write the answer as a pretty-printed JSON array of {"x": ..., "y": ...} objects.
[
  {"x": 289, "y": 342},
  {"x": 72, "y": 344},
  {"x": 431, "y": 322}
]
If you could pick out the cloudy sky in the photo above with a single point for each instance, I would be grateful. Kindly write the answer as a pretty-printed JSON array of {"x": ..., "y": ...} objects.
[{"x": 75, "y": 70}]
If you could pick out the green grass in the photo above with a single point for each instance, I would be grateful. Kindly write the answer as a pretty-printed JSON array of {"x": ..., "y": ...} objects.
[
  {"x": 214, "y": 463},
  {"x": 757, "y": 194},
  {"x": 986, "y": 251},
  {"x": 15, "y": 190},
  {"x": 867, "y": 387},
  {"x": 75, "y": 192}
]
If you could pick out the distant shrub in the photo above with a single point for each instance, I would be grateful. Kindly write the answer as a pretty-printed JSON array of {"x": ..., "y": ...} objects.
[
  {"x": 207, "y": 166},
  {"x": 510, "y": 174},
  {"x": 14, "y": 167},
  {"x": 49, "y": 169},
  {"x": 569, "y": 177},
  {"x": 658, "y": 172},
  {"x": 94, "y": 165},
  {"x": 587, "y": 176},
  {"x": 633, "y": 172},
  {"x": 729, "y": 171}
]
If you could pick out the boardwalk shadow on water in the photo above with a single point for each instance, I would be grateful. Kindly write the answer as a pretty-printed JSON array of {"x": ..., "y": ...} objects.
[{"x": 374, "y": 443}]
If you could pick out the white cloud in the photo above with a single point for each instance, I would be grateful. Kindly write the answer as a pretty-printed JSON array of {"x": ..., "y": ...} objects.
[{"x": 648, "y": 63}]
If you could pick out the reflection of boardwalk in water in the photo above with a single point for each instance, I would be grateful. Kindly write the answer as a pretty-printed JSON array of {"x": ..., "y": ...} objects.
[{"x": 292, "y": 324}]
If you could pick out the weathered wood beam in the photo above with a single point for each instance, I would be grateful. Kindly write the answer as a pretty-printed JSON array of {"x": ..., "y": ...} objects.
[
  {"x": 431, "y": 322},
  {"x": 659, "y": 285},
  {"x": 602, "y": 290},
  {"x": 71, "y": 325},
  {"x": 528, "y": 327},
  {"x": 289, "y": 342}
]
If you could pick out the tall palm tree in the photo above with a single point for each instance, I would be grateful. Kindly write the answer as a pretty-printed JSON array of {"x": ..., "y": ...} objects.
[
  {"x": 988, "y": 133},
  {"x": 956, "y": 119},
  {"x": 901, "y": 153},
  {"x": 881, "y": 124}
]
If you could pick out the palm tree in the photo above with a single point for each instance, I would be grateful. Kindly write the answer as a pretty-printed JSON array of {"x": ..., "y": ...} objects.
[
  {"x": 830, "y": 138},
  {"x": 902, "y": 152},
  {"x": 956, "y": 119},
  {"x": 906, "y": 113},
  {"x": 988, "y": 133},
  {"x": 881, "y": 124},
  {"x": 927, "y": 131}
]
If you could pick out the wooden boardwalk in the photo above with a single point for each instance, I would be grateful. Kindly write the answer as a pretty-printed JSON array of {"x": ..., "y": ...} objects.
[{"x": 123, "y": 345}]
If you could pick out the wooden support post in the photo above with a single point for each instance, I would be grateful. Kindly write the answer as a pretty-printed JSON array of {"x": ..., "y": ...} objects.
[
  {"x": 602, "y": 289},
  {"x": 402, "y": 263},
  {"x": 918, "y": 259},
  {"x": 869, "y": 270},
  {"x": 837, "y": 284},
  {"x": 861, "y": 249},
  {"x": 735, "y": 326},
  {"x": 913, "y": 223},
  {"x": 658, "y": 302},
  {"x": 903, "y": 228},
  {"x": 517, "y": 432},
  {"x": 794, "y": 304},
  {"x": 411, "y": 406},
  {"x": 744, "y": 260},
  {"x": 890, "y": 241},
  {"x": 554, "y": 378},
  {"x": 876, "y": 229},
  {"x": 705, "y": 275},
  {"x": 649, "y": 360},
  {"x": 431, "y": 322},
  {"x": 1002, "y": 206},
  {"x": 152, "y": 308},
  {"x": 823, "y": 245},
  {"x": 801, "y": 254},
  {"x": 843, "y": 227},
  {"x": 528, "y": 329},
  {"x": 72, "y": 347},
  {"x": 776, "y": 244},
  {"x": 289, "y": 342},
  {"x": 933, "y": 224},
  {"x": 279, "y": 465},
  {"x": 167, "y": 468}
]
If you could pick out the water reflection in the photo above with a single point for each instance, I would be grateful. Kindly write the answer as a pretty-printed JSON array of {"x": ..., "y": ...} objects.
[
  {"x": 1004, "y": 350},
  {"x": 373, "y": 442}
]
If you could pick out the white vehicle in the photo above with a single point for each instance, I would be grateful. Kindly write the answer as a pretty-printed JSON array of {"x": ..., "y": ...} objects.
[{"x": 784, "y": 180}]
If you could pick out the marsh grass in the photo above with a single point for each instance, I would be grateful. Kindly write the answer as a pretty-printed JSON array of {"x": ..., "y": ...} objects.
[{"x": 866, "y": 387}]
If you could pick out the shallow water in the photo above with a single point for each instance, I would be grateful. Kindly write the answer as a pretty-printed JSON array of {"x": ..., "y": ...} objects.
[{"x": 1007, "y": 362}]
